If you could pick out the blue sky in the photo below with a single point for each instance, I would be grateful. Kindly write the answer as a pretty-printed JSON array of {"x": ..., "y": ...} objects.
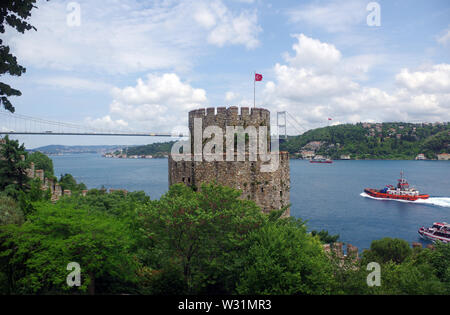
[{"x": 142, "y": 65}]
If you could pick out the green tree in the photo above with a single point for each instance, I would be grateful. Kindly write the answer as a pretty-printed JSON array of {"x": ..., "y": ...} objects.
[
  {"x": 35, "y": 255},
  {"x": 10, "y": 212},
  {"x": 203, "y": 233},
  {"x": 439, "y": 259},
  {"x": 41, "y": 162},
  {"x": 325, "y": 237},
  {"x": 13, "y": 13},
  {"x": 13, "y": 166},
  {"x": 284, "y": 259},
  {"x": 408, "y": 278},
  {"x": 67, "y": 181},
  {"x": 388, "y": 249}
]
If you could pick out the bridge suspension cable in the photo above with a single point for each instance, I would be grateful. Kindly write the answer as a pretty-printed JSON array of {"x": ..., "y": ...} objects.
[{"x": 17, "y": 124}]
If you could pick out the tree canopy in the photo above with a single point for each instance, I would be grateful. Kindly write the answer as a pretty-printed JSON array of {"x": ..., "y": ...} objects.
[
  {"x": 13, "y": 166},
  {"x": 13, "y": 13}
]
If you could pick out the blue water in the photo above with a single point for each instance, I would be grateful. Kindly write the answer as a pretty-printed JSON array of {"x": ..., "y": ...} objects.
[{"x": 328, "y": 196}]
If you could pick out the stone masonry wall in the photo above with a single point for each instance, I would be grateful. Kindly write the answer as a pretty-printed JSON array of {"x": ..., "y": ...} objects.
[{"x": 270, "y": 190}]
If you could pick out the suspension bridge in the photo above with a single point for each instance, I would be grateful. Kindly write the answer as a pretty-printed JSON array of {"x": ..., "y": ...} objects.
[{"x": 17, "y": 124}]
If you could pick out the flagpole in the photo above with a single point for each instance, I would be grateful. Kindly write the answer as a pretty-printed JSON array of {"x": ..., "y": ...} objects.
[{"x": 254, "y": 89}]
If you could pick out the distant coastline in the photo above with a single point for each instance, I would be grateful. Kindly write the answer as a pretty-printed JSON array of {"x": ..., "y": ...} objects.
[{"x": 361, "y": 141}]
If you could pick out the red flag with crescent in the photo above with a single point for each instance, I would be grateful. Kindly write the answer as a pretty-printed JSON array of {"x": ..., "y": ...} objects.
[{"x": 258, "y": 77}]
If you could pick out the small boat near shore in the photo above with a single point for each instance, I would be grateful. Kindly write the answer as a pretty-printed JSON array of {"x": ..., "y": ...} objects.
[
  {"x": 438, "y": 232},
  {"x": 402, "y": 192},
  {"x": 328, "y": 161}
]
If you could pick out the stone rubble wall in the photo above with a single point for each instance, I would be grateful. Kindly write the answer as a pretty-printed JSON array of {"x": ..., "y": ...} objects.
[{"x": 56, "y": 190}]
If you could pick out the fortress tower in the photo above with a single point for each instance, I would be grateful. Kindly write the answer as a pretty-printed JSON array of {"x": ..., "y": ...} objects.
[{"x": 270, "y": 190}]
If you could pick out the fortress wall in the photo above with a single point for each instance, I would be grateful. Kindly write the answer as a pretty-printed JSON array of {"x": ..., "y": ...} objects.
[{"x": 270, "y": 190}]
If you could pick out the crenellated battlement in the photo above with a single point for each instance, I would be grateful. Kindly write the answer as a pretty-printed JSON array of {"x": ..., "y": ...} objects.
[
  {"x": 230, "y": 111},
  {"x": 233, "y": 116}
]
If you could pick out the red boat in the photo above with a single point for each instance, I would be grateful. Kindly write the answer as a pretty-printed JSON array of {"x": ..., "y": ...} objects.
[
  {"x": 438, "y": 232},
  {"x": 401, "y": 192},
  {"x": 321, "y": 161}
]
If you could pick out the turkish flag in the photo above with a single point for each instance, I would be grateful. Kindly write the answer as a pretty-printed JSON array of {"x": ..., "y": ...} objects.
[
  {"x": 258, "y": 77},
  {"x": 330, "y": 119}
]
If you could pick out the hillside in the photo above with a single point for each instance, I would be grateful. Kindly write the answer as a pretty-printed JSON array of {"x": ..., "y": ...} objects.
[
  {"x": 156, "y": 149},
  {"x": 373, "y": 141},
  {"x": 359, "y": 141}
]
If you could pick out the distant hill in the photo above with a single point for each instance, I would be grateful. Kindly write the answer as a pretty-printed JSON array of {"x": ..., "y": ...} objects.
[
  {"x": 65, "y": 149},
  {"x": 158, "y": 149}
]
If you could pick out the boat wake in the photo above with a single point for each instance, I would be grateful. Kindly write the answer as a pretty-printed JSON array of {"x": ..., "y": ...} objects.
[{"x": 435, "y": 201}]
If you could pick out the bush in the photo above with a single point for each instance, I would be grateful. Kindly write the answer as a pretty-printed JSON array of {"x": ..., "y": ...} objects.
[
  {"x": 284, "y": 259},
  {"x": 10, "y": 212},
  {"x": 388, "y": 249}
]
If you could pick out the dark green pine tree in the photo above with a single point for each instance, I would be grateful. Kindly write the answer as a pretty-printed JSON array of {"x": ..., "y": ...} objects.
[
  {"x": 13, "y": 165},
  {"x": 13, "y": 13}
]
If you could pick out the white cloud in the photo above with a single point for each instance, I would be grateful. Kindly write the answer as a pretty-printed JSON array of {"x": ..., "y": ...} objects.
[
  {"x": 156, "y": 104},
  {"x": 165, "y": 89},
  {"x": 227, "y": 28},
  {"x": 313, "y": 88},
  {"x": 434, "y": 80},
  {"x": 296, "y": 83},
  {"x": 131, "y": 36},
  {"x": 322, "y": 57},
  {"x": 106, "y": 123},
  {"x": 205, "y": 18},
  {"x": 334, "y": 16},
  {"x": 231, "y": 96},
  {"x": 311, "y": 52}
]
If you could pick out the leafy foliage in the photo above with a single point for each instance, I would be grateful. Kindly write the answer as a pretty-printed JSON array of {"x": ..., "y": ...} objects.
[
  {"x": 68, "y": 182},
  {"x": 325, "y": 237},
  {"x": 13, "y": 13},
  {"x": 202, "y": 232},
  {"x": 388, "y": 250},
  {"x": 10, "y": 212},
  {"x": 39, "y": 250},
  {"x": 157, "y": 149},
  {"x": 13, "y": 166},
  {"x": 41, "y": 162},
  {"x": 284, "y": 259}
]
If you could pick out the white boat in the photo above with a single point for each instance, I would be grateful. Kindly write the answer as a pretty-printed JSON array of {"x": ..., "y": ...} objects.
[{"x": 438, "y": 232}]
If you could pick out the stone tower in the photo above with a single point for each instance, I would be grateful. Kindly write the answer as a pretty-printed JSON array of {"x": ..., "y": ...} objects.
[{"x": 270, "y": 190}]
